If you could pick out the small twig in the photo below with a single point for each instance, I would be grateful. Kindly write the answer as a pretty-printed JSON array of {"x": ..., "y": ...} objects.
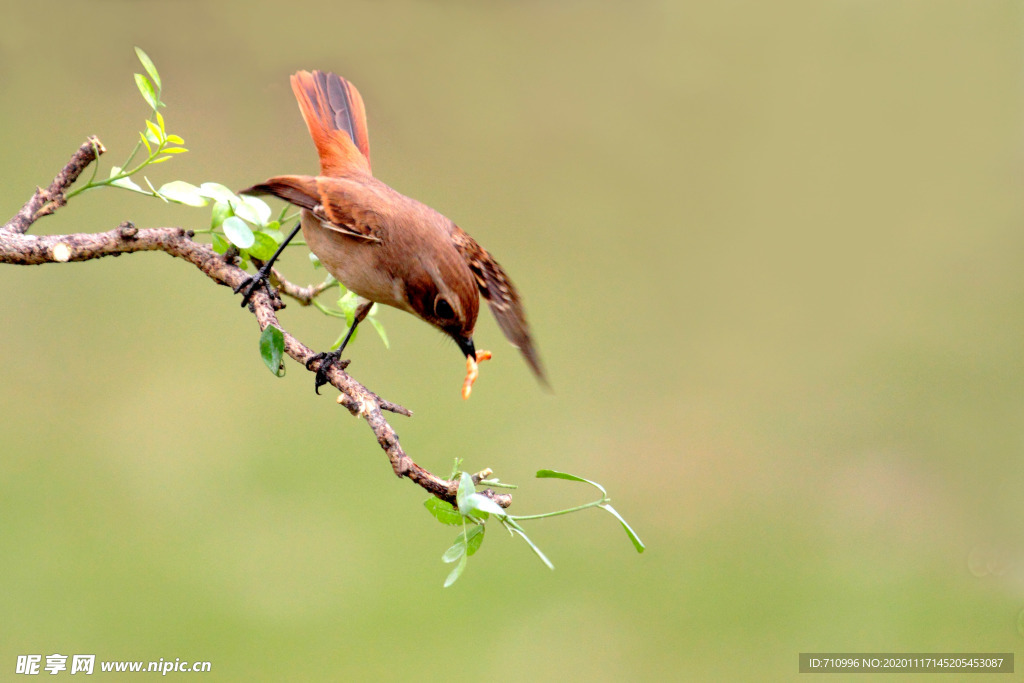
[
  {"x": 20, "y": 249},
  {"x": 45, "y": 202},
  {"x": 304, "y": 295}
]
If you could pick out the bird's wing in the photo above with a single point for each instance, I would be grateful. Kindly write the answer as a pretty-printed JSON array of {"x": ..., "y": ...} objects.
[
  {"x": 336, "y": 202},
  {"x": 501, "y": 295}
]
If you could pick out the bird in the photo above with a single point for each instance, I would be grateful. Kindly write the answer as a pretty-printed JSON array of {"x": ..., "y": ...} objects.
[{"x": 386, "y": 247}]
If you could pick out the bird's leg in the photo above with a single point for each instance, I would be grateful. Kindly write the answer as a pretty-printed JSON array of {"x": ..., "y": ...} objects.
[
  {"x": 252, "y": 283},
  {"x": 328, "y": 358}
]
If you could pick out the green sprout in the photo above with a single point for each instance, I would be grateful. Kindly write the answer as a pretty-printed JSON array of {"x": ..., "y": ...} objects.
[{"x": 474, "y": 509}]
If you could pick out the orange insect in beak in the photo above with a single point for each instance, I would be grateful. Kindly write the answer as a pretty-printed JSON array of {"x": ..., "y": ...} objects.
[{"x": 473, "y": 371}]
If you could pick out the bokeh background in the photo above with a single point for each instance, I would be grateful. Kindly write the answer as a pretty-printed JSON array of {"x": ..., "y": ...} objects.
[{"x": 772, "y": 255}]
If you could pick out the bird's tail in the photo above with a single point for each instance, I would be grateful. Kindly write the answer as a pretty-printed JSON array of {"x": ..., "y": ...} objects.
[{"x": 334, "y": 113}]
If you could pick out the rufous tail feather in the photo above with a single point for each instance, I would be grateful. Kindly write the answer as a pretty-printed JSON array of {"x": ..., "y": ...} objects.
[{"x": 336, "y": 118}]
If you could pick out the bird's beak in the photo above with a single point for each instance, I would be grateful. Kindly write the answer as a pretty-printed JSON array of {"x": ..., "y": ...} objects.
[{"x": 466, "y": 346}]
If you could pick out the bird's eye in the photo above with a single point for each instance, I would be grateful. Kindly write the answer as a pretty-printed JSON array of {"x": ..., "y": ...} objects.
[{"x": 443, "y": 309}]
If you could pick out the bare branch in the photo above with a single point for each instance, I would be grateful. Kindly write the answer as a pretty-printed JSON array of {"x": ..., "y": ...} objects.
[
  {"x": 304, "y": 295},
  {"x": 20, "y": 249},
  {"x": 45, "y": 202}
]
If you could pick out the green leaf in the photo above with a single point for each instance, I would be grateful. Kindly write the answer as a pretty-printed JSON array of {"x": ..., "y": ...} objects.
[
  {"x": 315, "y": 260},
  {"x": 160, "y": 122},
  {"x": 243, "y": 210},
  {"x": 466, "y": 489},
  {"x": 174, "y": 150},
  {"x": 443, "y": 511},
  {"x": 148, "y": 65},
  {"x": 474, "y": 539},
  {"x": 218, "y": 192},
  {"x": 377, "y": 325},
  {"x": 148, "y": 93},
  {"x": 258, "y": 207},
  {"x": 456, "y": 572},
  {"x": 637, "y": 543},
  {"x": 145, "y": 141},
  {"x": 552, "y": 474},
  {"x": 480, "y": 503},
  {"x": 236, "y": 230},
  {"x": 155, "y": 130},
  {"x": 160, "y": 160},
  {"x": 271, "y": 229},
  {"x": 221, "y": 211},
  {"x": 264, "y": 247},
  {"x": 456, "y": 551},
  {"x": 183, "y": 193},
  {"x": 348, "y": 303},
  {"x": 127, "y": 184},
  {"x": 272, "y": 349},
  {"x": 175, "y": 139},
  {"x": 220, "y": 245}
]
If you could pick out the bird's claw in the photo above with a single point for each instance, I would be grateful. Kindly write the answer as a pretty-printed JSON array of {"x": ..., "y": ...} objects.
[
  {"x": 251, "y": 284},
  {"x": 248, "y": 287},
  {"x": 326, "y": 360}
]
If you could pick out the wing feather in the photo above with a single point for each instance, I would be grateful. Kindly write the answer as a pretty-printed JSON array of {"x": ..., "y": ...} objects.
[
  {"x": 329, "y": 199},
  {"x": 502, "y": 297}
]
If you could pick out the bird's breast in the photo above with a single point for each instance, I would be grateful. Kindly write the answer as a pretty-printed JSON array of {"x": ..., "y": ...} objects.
[{"x": 360, "y": 265}]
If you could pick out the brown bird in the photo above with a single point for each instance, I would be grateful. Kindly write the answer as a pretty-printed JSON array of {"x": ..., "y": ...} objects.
[{"x": 382, "y": 245}]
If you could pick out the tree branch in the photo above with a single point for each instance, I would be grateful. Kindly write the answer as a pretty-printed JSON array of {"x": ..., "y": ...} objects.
[
  {"x": 45, "y": 202},
  {"x": 20, "y": 249},
  {"x": 304, "y": 295}
]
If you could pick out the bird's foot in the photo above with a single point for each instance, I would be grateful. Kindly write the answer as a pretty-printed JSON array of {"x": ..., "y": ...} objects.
[
  {"x": 326, "y": 360},
  {"x": 252, "y": 283}
]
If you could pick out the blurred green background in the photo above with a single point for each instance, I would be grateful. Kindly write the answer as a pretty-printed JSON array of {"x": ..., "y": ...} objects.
[{"x": 771, "y": 253}]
